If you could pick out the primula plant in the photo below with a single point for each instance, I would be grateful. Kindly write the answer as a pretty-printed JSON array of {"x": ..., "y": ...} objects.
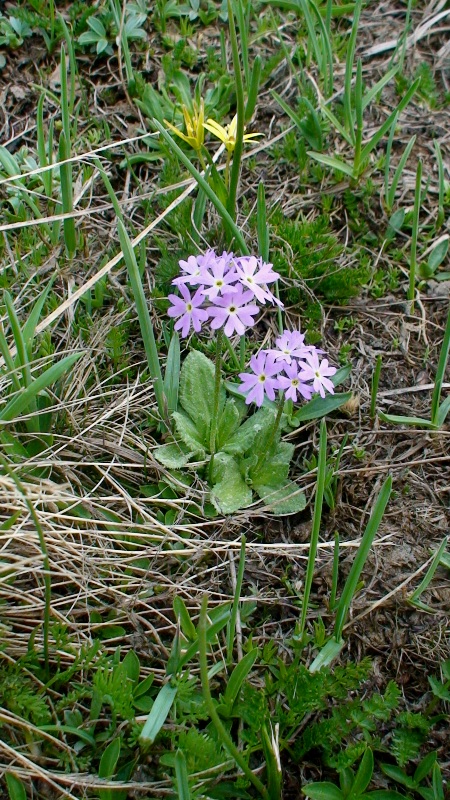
[{"x": 238, "y": 453}]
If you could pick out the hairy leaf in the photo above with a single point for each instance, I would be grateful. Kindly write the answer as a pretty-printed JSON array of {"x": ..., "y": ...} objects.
[
  {"x": 230, "y": 492},
  {"x": 197, "y": 392}
]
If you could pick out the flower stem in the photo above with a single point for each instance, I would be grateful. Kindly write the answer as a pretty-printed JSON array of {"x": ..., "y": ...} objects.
[
  {"x": 224, "y": 736},
  {"x": 215, "y": 415},
  {"x": 271, "y": 437}
]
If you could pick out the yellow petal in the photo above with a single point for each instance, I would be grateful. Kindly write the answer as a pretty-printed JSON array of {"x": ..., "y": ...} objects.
[
  {"x": 232, "y": 128},
  {"x": 248, "y": 136},
  {"x": 216, "y": 129}
]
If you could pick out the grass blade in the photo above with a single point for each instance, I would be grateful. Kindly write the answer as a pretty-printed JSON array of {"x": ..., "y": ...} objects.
[
  {"x": 181, "y": 776},
  {"x": 65, "y": 172},
  {"x": 387, "y": 124},
  {"x": 423, "y": 585},
  {"x": 148, "y": 335},
  {"x": 361, "y": 557},
  {"x": 440, "y": 373},
  {"x": 159, "y": 713},
  {"x": 318, "y": 503},
  {"x": 348, "y": 110},
  {"x": 240, "y": 111},
  {"x": 21, "y": 402},
  {"x": 399, "y": 170}
]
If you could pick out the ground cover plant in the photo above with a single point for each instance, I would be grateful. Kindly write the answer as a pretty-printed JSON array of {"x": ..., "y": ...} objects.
[{"x": 224, "y": 342}]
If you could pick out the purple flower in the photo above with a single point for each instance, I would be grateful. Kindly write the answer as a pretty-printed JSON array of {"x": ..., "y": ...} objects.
[
  {"x": 233, "y": 312},
  {"x": 188, "y": 310},
  {"x": 262, "y": 381},
  {"x": 291, "y": 344},
  {"x": 254, "y": 274},
  {"x": 193, "y": 269},
  {"x": 219, "y": 277},
  {"x": 318, "y": 372},
  {"x": 292, "y": 384}
]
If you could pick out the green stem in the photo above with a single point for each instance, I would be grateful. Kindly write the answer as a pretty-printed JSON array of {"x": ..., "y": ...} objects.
[
  {"x": 214, "y": 421},
  {"x": 375, "y": 382},
  {"x": 227, "y": 173},
  {"x": 236, "y": 601},
  {"x": 271, "y": 437},
  {"x": 223, "y": 734},
  {"x": 45, "y": 559},
  {"x": 240, "y": 109}
]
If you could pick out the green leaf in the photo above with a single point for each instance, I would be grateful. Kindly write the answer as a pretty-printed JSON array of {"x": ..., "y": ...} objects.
[
  {"x": 327, "y": 654},
  {"x": 425, "y": 766},
  {"x": 309, "y": 126},
  {"x": 230, "y": 492},
  {"x": 258, "y": 425},
  {"x": 33, "y": 319},
  {"x": 145, "y": 322},
  {"x": 438, "y": 689},
  {"x": 235, "y": 682},
  {"x": 438, "y": 783},
  {"x": 228, "y": 423},
  {"x": 271, "y": 752},
  {"x": 219, "y": 617},
  {"x": 361, "y": 557},
  {"x": 181, "y": 776},
  {"x": 283, "y": 499},
  {"x": 319, "y": 407},
  {"x": 188, "y": 433},
  {"x": 21, "y": 401},
  {"x": 182, "y": 614},
  {"x": 16, "y": 789},
  {"x": 443, "y": 410},
  {"x": 131, "y": 666},
  {"x": 388, "y": 122},
  {"x": 107, "y": 767},
  {"x": 197, "y": 392},
  {"x": 437, "y": 255},
  {"x": 394, "y": 419},
  {"x": 364, "y": 774},
  {"x": 330, "y": 161},
  {"x": 323, "y": 791},
  {"x": 173, "y": 456},
  {"x": 158, "y": 714},
  {"x": 172, "y": 374},
  {"x": 384, "y": 794},
  {"x": 396, "y": 221},
  {"x": 340, "y": 375},
  {"x": 275, "y": 469},
  {"x": 399, "y": 775}
]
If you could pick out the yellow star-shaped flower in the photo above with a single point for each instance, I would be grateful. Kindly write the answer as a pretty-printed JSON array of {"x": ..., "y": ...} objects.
[
  {"x": 227, "y": 134},
  {"x": 195, "y": 134}
]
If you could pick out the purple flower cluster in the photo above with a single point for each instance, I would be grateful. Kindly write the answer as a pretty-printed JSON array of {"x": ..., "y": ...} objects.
[
  {"x": 228, "y": 290},
  {"x": 291, "y": 367}
]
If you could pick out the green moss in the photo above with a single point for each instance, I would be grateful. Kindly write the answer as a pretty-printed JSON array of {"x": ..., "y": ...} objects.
[{"x": 309, "y": 254}]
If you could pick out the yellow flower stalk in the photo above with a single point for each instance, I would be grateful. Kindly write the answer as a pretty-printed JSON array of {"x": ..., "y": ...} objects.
[
  {"x": 227, "y": 134},
  {"x": 195, "y": 134}
]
